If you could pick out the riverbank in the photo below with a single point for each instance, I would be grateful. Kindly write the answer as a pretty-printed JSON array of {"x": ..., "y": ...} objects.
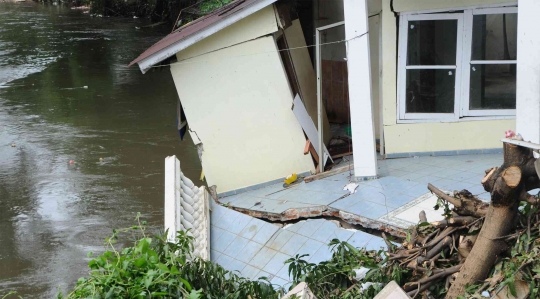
[{"x": 13, "y": 1}]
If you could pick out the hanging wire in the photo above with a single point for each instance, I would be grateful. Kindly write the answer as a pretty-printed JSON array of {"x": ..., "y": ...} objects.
[{"x": 188, "y": 60}]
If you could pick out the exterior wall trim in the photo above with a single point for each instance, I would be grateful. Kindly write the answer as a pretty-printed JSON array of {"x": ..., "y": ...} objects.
[
  {"x": 445, "y": 153},
  {"x": 440, "y": 10},
  {"x": 171, "y": 50}
]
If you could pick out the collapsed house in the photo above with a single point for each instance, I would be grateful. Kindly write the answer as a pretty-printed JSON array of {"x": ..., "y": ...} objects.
[{"x": 405, "y": 77}]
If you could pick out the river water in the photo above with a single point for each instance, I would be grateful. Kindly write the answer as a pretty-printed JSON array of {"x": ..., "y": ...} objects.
[{"x": 52, "y": 213}]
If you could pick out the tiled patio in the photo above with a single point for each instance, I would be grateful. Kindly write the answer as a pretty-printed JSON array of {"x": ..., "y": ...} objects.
[
  {"x": 256, "y": 248},
  {"x": 395, "y": 198}
]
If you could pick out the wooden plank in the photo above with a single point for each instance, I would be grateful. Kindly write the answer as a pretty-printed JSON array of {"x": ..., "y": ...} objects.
[
  {"x": 341, "y": 155},
  {"x": 329, "y": 173},
  {"x": 306, "y": 148},
  {"x": 314, "y": 153},
  {"x": 526, "y": 144}
]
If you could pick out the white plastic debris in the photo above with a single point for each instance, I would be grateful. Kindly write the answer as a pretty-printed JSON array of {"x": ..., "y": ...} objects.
[
  {"x": 360, "y": 273},
  {"x": 351, "y": 187},
  {"x": 485, "y": 294},
  {"x": 366, "y": 285}
]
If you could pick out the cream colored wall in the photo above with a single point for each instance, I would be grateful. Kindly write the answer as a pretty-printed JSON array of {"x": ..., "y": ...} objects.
[
  {"x": 374, "y": 23},
  {"x": 432, "y": 137},
  {"x": 307, "y": 79},
  {"x": 414, "y": 5},
  {"x": 427, "y": 137},
  {"x": 239, "y": 104},
  {"x": 256, "y": 25}
]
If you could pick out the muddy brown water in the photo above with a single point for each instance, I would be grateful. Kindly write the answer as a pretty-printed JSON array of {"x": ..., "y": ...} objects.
[{"x": 53, "y": 213}]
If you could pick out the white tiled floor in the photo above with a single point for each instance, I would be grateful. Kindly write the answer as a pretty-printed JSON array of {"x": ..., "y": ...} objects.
[{"x": 396, "y": 197}]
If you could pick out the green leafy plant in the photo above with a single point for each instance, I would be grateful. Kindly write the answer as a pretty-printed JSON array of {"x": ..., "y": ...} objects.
[
  {"x": 156, "y": 268},
  {"x": 335, "y": 278}
]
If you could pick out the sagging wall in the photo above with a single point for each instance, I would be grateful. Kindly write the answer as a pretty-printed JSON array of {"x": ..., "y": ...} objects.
[
  {"x": 432, "y": 136},
  {"x": 238, "y": 104}
]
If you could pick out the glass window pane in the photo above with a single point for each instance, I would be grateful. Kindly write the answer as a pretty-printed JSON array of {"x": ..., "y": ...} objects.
[
  {"x": 432, "y": 42},
  {"x": 493, "y": 86},
  {"x": 430, "y": 91},
  {"x": 494, "y": 37}
]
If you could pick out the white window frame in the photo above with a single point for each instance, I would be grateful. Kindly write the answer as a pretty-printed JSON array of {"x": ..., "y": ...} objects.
[
  {"x": 462, "y": 67},
  {"x": 466, "y": 74},
  {"x": 402, "y": 65}
]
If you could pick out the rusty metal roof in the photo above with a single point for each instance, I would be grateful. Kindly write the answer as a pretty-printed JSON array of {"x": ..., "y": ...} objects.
[{"x": 194, "y": 27}]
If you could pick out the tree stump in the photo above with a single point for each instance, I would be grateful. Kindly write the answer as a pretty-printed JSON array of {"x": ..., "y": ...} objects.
[{"x": 508, "y": 185}]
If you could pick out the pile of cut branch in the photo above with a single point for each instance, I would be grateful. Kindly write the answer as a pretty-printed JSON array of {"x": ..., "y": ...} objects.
[{"x": 480, "y": 249}]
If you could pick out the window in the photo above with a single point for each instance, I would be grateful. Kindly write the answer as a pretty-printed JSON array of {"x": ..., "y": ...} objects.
[{"x": 455, "y": 65}]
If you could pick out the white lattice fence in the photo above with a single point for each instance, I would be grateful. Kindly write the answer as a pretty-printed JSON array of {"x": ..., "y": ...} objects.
[{"x": 186, "y": 207}]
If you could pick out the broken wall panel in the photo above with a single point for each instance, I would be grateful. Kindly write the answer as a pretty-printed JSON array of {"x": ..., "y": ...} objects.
[
  {"x": 239, "y": 104},
  {"x": 305, "y": 74}
]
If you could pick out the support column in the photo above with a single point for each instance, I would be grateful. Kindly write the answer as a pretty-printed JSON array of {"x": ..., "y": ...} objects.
[
  {"x": 359, "y": 67},
  {"x": 528, "y": 71},
  {"x": 172, "y": 197}
]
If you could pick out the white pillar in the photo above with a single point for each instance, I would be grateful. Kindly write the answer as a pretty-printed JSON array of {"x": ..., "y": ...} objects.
[
  {"x": 528, "y": 71},
  {"x": 359, "y": 67}
]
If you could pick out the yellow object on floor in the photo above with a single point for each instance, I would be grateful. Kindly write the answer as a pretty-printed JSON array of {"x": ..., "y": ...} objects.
[
  {"x": 291, "y": 179},
  {"x": 202, "y": 175}
]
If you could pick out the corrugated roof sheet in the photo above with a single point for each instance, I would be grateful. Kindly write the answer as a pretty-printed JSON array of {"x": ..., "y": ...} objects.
[{"x": 195, "y": 26}]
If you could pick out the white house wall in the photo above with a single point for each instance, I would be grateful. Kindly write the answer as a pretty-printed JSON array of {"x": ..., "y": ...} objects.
[
  {"x": 256, "y": 25},
  {"x": 415, "y": 5},
  {"x": 430, "y": 136},
  {"x": 238, "y": 102}
]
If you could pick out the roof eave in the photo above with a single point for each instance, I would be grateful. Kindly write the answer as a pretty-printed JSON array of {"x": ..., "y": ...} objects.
[{"x": 169, "y": 51}]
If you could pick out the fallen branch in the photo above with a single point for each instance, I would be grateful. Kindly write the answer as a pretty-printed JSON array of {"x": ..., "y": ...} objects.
[
  {"x": 443, "y": 273},
  {"x": 465, "y": 205}
]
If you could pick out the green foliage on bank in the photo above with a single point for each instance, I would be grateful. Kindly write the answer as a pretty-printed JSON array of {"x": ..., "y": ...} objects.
[{"x": 156, "y": 268}]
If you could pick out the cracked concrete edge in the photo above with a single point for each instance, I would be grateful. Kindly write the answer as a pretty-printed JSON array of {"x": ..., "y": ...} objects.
[{"x": 325, "y": 211}]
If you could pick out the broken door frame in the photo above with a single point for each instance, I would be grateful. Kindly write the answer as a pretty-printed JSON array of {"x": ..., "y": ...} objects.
[{"x": 319, "y": 85}]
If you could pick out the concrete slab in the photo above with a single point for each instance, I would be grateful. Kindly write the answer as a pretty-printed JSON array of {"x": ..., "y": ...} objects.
[
  {"x": 258, "y": 248},
  {"x": 390, "y": 200},
  {"x": 255, "y": 248}
]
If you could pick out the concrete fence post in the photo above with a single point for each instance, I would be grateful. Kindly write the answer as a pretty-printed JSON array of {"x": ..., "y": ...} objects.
[{"x": 186, "y": 208}]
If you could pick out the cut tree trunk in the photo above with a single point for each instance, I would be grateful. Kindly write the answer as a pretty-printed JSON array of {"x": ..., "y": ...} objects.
[{"x": 507, "y": 185}]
